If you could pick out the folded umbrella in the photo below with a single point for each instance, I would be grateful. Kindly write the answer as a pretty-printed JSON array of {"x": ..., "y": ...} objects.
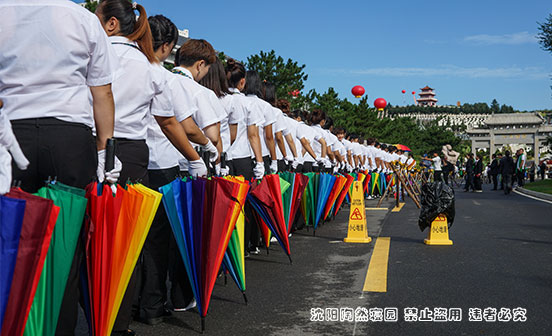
[
  {"x": 12, "y": 211},
  {"x": 334, "y": 194},
  {"x": 344, "y": 192},
  {"x": 44, "y": 313},
  {"x": 36, "y": 232},
  {"x": 324, "y": 189}
]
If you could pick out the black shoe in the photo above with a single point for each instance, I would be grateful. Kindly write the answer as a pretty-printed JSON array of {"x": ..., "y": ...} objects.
[
  {"x": 128, "y": 332},
  {"x": 156, "y": 320}
]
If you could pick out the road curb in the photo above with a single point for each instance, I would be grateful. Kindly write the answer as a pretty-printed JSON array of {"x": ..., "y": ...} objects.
[{"x": 543, "y": 196}]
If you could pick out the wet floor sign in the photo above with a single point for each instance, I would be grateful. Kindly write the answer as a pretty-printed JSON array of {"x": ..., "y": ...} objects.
[
  {"x": 357, "y": 231},
  {"x": 438, "y": 233}
]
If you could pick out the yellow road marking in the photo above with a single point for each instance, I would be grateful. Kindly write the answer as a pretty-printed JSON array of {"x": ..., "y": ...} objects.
[
  {"x": 376, "y": 276},
  {"x": 377, "y": 209},
  {"x": 397, "y": 209}
]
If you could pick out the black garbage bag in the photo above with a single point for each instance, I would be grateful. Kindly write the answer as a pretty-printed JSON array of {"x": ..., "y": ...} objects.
[{"x": 437, "y": 198}]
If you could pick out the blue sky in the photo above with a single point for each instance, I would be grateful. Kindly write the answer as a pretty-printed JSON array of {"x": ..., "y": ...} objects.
[{"x": 469, "y": 51}]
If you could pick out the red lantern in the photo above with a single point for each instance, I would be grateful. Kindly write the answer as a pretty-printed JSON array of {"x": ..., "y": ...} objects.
[
  {"x": 403, "y": 91},
  {"x": 294, "y": 93},
  {"x": 380, "y": 104},
  {"x": 413, "y": 92},
  {"x": 358, "y": 91}
]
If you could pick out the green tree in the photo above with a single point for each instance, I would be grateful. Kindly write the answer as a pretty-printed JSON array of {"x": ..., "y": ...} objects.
[
  {"x": 91, "y": 5},
  {"x": 287, "y": 76},
  {"x": 545, "y": 34},
  {"x": 495, "y": 107}
]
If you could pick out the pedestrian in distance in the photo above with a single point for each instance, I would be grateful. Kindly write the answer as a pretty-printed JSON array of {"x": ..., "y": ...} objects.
[
  {"x": 507, "y": 170},
  {"x": 521, "y": 159},
  {"x": 470, "y": 165},
  {"x": 542, "y": 170},
  {"x": 478, "y": 174},
  {"x": 437, "y": 168},
  {"x": 494, "y": 171},
  {"x": 532, "y": 171}
]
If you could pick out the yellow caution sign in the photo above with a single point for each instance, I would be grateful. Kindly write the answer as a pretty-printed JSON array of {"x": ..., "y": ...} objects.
[
  {"x": 357, "y": 232},
  {"x": 438, "y": 233}
]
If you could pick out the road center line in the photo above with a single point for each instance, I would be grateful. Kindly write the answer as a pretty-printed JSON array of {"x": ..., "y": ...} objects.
[{"x": 376, "y": 276}]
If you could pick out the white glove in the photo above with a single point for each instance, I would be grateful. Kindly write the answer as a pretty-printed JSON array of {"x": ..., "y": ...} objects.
[
  {"x": 319, "y": 162},
  {"x": 197, "y": 168},
  {"x": 9, "y": 142},
  {"x": 335, "y": 169},
  {"x": 378, "y": 170},
  {"x": 259, "y": 171},
  {"x": 213, "y": 152},
  {"x": 217, "y": 169},
  {"x": 295, "y": 163},
  {"x": 349, "y": 168},
  {"x": 274, "y": 167},
  {"x": 288, "y": 159},
  {"x": 5, "y": 170},
  {"x": 111, "y": 176},
  {"x": 224, "y": 171},
  {"x": 327, "y": 163}
]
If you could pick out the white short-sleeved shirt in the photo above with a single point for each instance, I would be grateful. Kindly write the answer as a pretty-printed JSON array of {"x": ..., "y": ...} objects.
[
  {"x": 436, "y": 163},
  {"x": 317, "y": 146},
  {"x": 269, "y": 116},
  {"x": 227, "y": 101},
  {"x": 162, "y": 153},
  {"x": 137, "y": 91},
  {"x": 334, "y": 142},
  {"x": 291, "y": 129},
  {"x": 280, "y": 126},
  {"x": 313, "y": 137},
  {"x": 244, "y": 115},
  {"x": 200, "y": 100},
  {"x": 51, "y": 51},
  {"x": 403, "y": 158}
]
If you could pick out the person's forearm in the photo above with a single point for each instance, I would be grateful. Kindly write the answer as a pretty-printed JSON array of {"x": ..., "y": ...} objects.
[
  {"x": 177, "y": 136},
  {"x": 269, "y": 140},
  {"x": 339, "y": 156},
  {"x": 193, "y": 132},
  {"x": 104, "y": 113},
  {"x": 355, "y": 157},
  {"x": 350, "y": 158},
  {"x": 255, "y": 142},
  {"x": 291, "y": 144},
  {"x": 331, "y": 155},
  {"x": 280, "y": 142},
  {"x": 233, "y": 132},
  {"x": 324, "y": 147},
  {"x": 370, "y": 161},
  {"x": 213, "y": 133},
  {"x": 308, "y": 148}
]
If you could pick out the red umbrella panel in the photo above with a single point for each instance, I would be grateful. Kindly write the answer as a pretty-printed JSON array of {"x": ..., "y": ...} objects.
[
  {"x": 334, "y": 194},
  {"x": 344, "y": 191},
  {"x": 299, "y": 187},
  {"x": 36, "y": 232}
]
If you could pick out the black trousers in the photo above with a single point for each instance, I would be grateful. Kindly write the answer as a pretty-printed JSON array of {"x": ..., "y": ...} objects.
[
  {"x": 307, "y": 167},
  {"x": 282, "y": 166},
  {"x": 267, "y": 161},
  {"x": 244, "y": 167},
  {"x": 438, "y": 176},
  {"x": 520, "y": 178},
  {"x": 507, "y": 179},
  {"x": 65, "y": 150},
  {"x": 542, "y": 174},
  {"x": 477, "y": 183},
  {"x": 134, "y": 155},
  {"x": 495, "y": 180},
  {"x": 157, "y": 253},
  {"x": 469, "y": 182}
]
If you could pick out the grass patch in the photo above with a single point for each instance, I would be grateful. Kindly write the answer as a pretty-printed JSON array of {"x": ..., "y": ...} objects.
[{"x": 543, "y": 186}]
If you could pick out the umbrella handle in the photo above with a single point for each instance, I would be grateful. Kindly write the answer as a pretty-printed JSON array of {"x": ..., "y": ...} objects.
[{"x": 110, "y": 154}]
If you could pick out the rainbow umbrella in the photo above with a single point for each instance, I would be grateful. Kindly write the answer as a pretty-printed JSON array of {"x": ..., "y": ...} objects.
[
  {"x": 308, "y": 201},
  {"x": 403, "y": 148},
  {"x": 203, "y": 230},
  {"x": 340, "y": 182},
  {"x": 36, "y": 232},
  {"x": 266, "y": 200},
  {"x": 12, "y": 211},
  {"x": 324, "y": 189},
  {"x": 44, "y": 313},
  {"x": 291, "y": 199},
  {"x": 344, "y": 191}
]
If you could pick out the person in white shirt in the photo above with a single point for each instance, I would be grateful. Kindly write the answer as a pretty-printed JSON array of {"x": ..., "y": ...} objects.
[
  {"x": 163, "y": 168},
  {"x": 320, "y": 147},
  {"x": 9, "y": 147},
  {"x": 306, "y": 136},
  {"x": 253, "y": 91},
  {"x": 280, "y": 130},
  {"x": 437, "y": 167},
  {"x": 54, "y": 55},
  {"x": 348, "y": 149},
  {"x": 243, "y": 124},
  {"x": 292, "y": 144},
  {"x": 192, "y": 62}
]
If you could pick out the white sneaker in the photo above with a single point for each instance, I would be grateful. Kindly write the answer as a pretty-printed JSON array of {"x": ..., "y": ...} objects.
[
  {"x": 192, "y": 305},
  {"x": 255, "y": 251},
  {"x": 289, "y": 235},
  {"x": 273, "y": 240}
]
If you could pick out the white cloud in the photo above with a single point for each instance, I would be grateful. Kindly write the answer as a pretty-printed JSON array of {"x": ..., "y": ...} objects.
[
  {"x": 510, "y": 39},
  {"x": 451, "y": 71}
]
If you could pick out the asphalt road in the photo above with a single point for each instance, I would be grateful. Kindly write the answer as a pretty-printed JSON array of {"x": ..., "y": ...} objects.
[{"x": 501, "y": 258}]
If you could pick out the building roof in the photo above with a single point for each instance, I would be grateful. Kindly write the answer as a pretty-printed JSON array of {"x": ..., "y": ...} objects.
[
  {"x": 426, "y": 88},
  {"x": 514, "y": 119},
  {"x": 427, "y": 99}
]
